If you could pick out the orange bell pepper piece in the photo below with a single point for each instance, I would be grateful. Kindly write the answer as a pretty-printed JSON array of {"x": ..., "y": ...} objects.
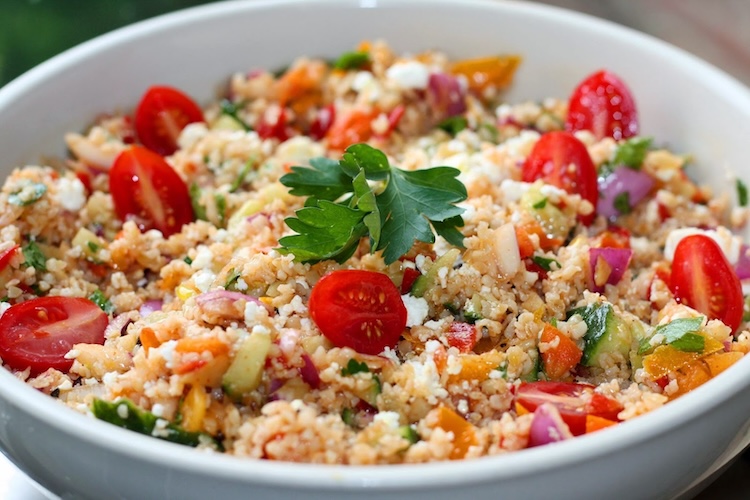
[
  {"x": 486, "y": 71},
  {"x": 563, "y": 356},
  {"x": 464, "y": 434},
  {"x": 594, "y": 423}
]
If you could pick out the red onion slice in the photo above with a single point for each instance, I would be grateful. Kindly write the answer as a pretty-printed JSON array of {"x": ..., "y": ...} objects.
[
  {"x": 635, "y": 183},
  {"x": 607, "y": 266},
  {"x": 547, "y": 426},
  {"x": 743, "y": 264},
  {"x": 445, "y": 95},
  {"x": 150, "y": 306},
  {"x": 309, "y": 372}
]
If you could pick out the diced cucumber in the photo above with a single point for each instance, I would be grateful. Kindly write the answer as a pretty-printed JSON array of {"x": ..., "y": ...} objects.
[
  {"x": 245, "y": 371},
  {"x": 553, "y": 220},
  {"x": 428, "y": 280},
  {"x": 607, "y": 333}
]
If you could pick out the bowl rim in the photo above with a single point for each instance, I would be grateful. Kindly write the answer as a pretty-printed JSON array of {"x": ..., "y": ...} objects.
[{"x": 383, "y": 477}]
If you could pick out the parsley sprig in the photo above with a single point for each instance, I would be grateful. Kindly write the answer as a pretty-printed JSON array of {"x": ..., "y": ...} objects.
[{"x": 363, "y": 195}]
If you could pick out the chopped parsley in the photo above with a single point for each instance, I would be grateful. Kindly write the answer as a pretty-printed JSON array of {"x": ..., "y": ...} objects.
[
  {"x": 354, "y": 367},
  {"x": 347, "y": 415},
  {"x": 188, "y": 260},
  {"x": 30, "y": 192},
  {"x": 34, "y": 257},
  {"x": 195, "y": 200},
  {"x": 622, "y": 203},
  {"x": 232, "y": 109},
  {"x": 545, "y": 262},
  {"x": 632, "y": 152},
  {"x": 489, "y": 132},
  {"x": 681, "y": 333},
  {"x": 102, "y": 301},
  {"x": 221, "y": 207},
  {"x": 453, "y": 125},
  {"x": 540, "y": 204},
  {"x": 232, "y": 278},
  {"x": 409, "y": 433},
  {"x": 393, "y": 207},
  {"x": 94, "y": 247},
  {"x": 741, "y": 193},
  {"x": 503, "y": 369},
  {"x": 246, "y": 168},
  {"x": 352, "y": 60}
]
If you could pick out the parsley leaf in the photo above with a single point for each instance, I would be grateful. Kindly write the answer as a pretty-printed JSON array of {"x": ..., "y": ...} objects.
[
  {"x": 741, "y": 193},
  {"x": 681, "y": 334},
  {"x": 102, "y": 301},
  {"x": 29, "y": 193},
  {"x": 394, "y": 207},
  {"x": 545, "y": 262},
  {"x": 34, "y": 257},
  {"x": 233, "y": 276},
  {"x": 354, "y": 367},
  {"x": 632, "y": 152},
  {"x": 246, "y": 168},
  {"x": 195, "y": 200},
  {"x": 453, "y": 125},
  {"x": 352, "y": 60},
  {"x": 540, "y": 204}
]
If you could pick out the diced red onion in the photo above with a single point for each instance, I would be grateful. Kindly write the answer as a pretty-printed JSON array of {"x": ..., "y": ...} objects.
[
  {"x": 216, "y": 296},
  {"x": 150, "y": 306},
  {"x": 547, "y": 426},
  {"x": 743, "y": 264},
  {"x": 623, "y": 180},
  {"x": 445, "y": 94},
  {"x": 254, "y": 73},
  {"x": 118, "y": 324},
  {"x": 617, "y": 259},
  {"x": 309, "y": 372}
]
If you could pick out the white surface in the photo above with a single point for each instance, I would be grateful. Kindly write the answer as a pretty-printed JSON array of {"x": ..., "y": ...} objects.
[
  {"x": 682, "y": 101},
  {"x": 15, "y": 485}
]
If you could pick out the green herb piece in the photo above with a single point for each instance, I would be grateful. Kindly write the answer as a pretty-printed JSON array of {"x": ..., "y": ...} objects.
[
  {"x": 632, "y": 152},
  {"x": 409, "y": 433},
  {"x": 352, "y": 60},
  {"x": 393, "y": 207},
  {"x": 622, "y": 203},
  {"x": 604, "y": 170},
  {"x": 188, "y": 260},
  {"x": 545, "y": 262},
  {"x": 34, "y": 257},
  {"x": 30, "y": 192},
  {"x": 232, "y": 277},
  {"x": 533, "y": 375},
  {"x": 221, "y": 207},
  {"x": 503, "y": 369},
  {"x": 195, "y": 200},
  {"x": 489, "y": 132},
  {"x": 246, "y": 168},
  {"x": 347, "y": 415},
  {"x": 453, "y": 125},
  {"x": 540, "y": 204},
  {"x": 102, "y": 301},
  {"x": 232, "y": 109},
  {"x": 94, "y": 247},
  {"x": 682, "y": 334},
  {"x": 353, "y": 367},
  {"x": 553, "y": 322},
  {"x": 5, "y": 299},
  {"x": 123, "y": 413},
  {"x": 741, "y": 193}
]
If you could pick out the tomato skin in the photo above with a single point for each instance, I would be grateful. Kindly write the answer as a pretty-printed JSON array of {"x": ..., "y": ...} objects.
[
  {"x": 703, "y": 279},
  {"x": 6, "y": 256},
  {"x": 603, "y": 104},
  {"x": 410, "y": 276},
  {"x": 161, "y": 115},
  {"x": 551, "y": 160},
  {"x": 358, "y": 309},
  {"x": 38, "y": 333},
  {"x": 278, "y": 130},
  {"x": 323, "y": 121},
  {"x": 566, "y": 396},
  {"x": 462, "y": 336},
  {"x": 144, "y": 187}
]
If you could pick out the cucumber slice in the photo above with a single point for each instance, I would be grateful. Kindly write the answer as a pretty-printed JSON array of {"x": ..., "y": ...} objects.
[
  {"x": 245, "y": 372},
  {"x": 427, "y": 280},
  {"x": 607, "y": 333}
]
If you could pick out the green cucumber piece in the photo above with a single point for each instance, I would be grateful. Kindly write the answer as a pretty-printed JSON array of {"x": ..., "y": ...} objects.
[{"x": 607, "y": 333}]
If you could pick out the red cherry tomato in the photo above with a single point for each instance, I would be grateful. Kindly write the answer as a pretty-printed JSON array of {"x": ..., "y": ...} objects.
[
  {"x": 160, "y": 117},
  {"x": 6, "y": 255},
  {"x": 358, "y": 309},
  {"x": 38, "y": 333},
  {"x": 323, "y": 121},
  {"x": 274, "y": 130},
  {"x": 410, "y": 276},
  {"x": 560, "y": 159},
  {"x": 603, "y": 104},
  {"x": 703, "y": 278},
  {"x": 145, "y": 188},
  {"x": 350, "y": 128},
  {"x": 573, "y": 401}
]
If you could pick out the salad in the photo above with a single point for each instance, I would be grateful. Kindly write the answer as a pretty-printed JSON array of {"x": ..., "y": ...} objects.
[{"x": 370, "y": 260}]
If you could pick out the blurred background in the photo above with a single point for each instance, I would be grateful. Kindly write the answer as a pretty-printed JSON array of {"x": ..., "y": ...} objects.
[{"x": 717, "y": 31}]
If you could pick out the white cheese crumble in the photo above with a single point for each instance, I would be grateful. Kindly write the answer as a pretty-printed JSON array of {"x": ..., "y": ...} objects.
[
  {"x": 158, "y": 409},
  {"x": 203, "y": 258},
  {"x": 122, "y": 411},
  {"x": 192, "y": 133},
  {"x": 71, "y": 194},
  {"x": 729, "y": 243},
  {"x": 409, "y": 75},
  {"x": 4, "y": 306},
  {"x": 513, "y": 190},
  {"x": 203, "y": 279},
  {"x": 167, "y": 351},
  {"x": 254, "y": 312},
  {"x": 417, "y": 310},
  {"x": 389, "y": 418},
  {"x": 261, "y": 330}
]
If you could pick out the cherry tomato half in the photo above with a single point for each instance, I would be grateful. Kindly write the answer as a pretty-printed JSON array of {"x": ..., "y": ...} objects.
[
  {"x": 703, "y": 279},
  {"x": 350, "y": 128},
  {"x": 6, "y": 256},
  {"x": 145, "y": 188},
  {"x": 160, "y": 117},
  {"x": 358, "y": 309},
  {"x": 38, "y": 333},
  {"x": 573, "y": 401},
  {"x": 560, "y": 159},
  {"x": 603, "y": 104}
]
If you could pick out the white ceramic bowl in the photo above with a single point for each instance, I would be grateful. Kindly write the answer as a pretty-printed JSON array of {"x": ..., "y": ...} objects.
[{"x": 682, "y": 101}]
